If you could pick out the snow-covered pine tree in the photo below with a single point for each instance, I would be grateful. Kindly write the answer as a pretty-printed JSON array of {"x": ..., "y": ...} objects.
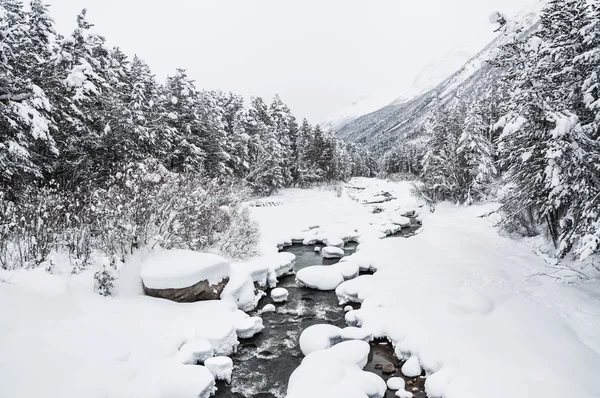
[
  {"x": 551, "y": 160},
  {"x": 180, "y": 101},
  {"x": 478, "y": 151},
  {"x": 444, "y": 168},
  {"x": 26, "y": 138}
]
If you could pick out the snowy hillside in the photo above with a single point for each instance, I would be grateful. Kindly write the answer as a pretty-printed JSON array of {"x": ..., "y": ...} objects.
[
  {"x": 427, "y": 79},
  {"x": 403, "y": 118}
]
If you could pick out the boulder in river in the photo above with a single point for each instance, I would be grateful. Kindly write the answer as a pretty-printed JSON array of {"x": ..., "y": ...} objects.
[
  {"x": 185, "y": 275},
  {"x": 388, "y": 368},
  {"x": 332, "y": 252}
]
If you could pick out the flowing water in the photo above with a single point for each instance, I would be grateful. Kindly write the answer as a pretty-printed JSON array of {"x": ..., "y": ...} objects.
[{"x": 264, "y": 363}]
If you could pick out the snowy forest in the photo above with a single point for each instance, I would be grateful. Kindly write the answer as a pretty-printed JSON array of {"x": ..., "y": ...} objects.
[
  {"x": 97, "y": 155},
  {"x": 530, "y": 138}
]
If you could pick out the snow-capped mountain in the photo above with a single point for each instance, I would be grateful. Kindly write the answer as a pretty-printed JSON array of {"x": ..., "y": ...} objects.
[
  {"x": 428, "y": 78},
  {"x": 403, "y": 118}
]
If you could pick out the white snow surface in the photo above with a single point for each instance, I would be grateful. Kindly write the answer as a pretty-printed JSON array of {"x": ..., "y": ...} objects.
[
  {"x": 396, "y": 383},
  {"x": 176, "y": 269},
  {"x": 336, "y": 372},
  {"x": 412, "y": 368},
  {"x": 332, "y": 252},
  {"x": 279, "y": 295},
  {"x": 458, "y": 296},
  {"x": 195, "y": 351},
  {"x": 465, "y": 301},
  {"x": 320, "y": 277},
  {"x": 71, "y": 343},
  {"x": 220, "y": 367}
]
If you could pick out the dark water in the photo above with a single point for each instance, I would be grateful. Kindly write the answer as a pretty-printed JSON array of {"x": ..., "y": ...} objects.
[
  {"x": 264, "y": 363},
  {"x": 382, "y": 353}
]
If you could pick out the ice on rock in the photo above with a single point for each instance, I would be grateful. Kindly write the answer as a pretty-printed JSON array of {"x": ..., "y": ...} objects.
[
  {"x": 320, "y": 277},
  {"x": 175, "y": 380},
  {"x": 319, "y": 337},
  {"x": 412, "y": 367},
  {"x": 349, "y": 270},
  {"x": 354, "y": 333},
  {"x": 248, "y": 327},
  {"x": 195, "y": 351},
  {"x": 268, "y": 308},
  {"x": 178, "y": 269},
  {"x": 396, "y": 383},
  {"x": 332, "y": 252},
  {"x": 279, "y": 295},
  {"x": 348, "y": 308},
  {"x": 334, "y": 242},
  {"x": 220, "y": 367}
]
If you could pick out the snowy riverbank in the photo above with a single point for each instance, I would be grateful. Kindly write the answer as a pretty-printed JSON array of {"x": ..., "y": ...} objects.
[{"x": 457, "y": 297}]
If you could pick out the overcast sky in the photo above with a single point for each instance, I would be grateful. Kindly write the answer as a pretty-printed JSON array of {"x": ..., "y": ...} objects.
[{"x": 319, "y": 55}]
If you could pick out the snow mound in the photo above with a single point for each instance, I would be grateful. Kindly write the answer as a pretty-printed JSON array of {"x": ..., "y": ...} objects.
[
  {"x": 268, "y": 308},
  {"x": 349, "y": 270},
  {"x": 178, "y": 269},
  {"x": 355, "y": 289},
  {"x": 336, "y": 373},
  {"x": 332, "y": 252},
  {"x": 320, "y": 277},
  {"x": 248, "y": 327},
  {"x": 195, "y": 351},
  {"x": 279, "y": 295},
  {"x": 396, "y": 383},
  {"x": 400, "y": 220},
  {"x": 172, "y": 380},
  {"x": 220, "y": 367},
  {"x": 354, "y": 333},
  {"x": 319, "y": 337},
  {"x": 334, "y": 242},
  {"x": 412, "y": 367},
  {"x": 469, "y": 302},
  {"x": 185, "y": 381}
]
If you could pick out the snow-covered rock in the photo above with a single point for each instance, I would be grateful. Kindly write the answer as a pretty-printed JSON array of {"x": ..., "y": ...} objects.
[
  {"x": 336, "y": 373},
  {"x": 279, "y": 295},
  {"x": 354, "y": 333},
  {"x": 412, "y": 367},
  {"x": 184, "y": 275},
  {"x": 195, "y": 351},
  {"x": 184, "y": 381},
  {"x": 220, "y": 367},
  {"x": 334, "y": 242},
  {"x": 268, "y": 308},
  {"x": 396, "y": 383},
  {"x": 400, "y": 220},
  {"x": 248, "y": 327},
  {"x": 348, "y": 308},
  {"x": 317, "y": 249},
  {"x": 320, "y": 277},
  {"x": 349, "y": 270},
  {"x": 319, "y": 337},
  {"x": 332, "y": 252}
]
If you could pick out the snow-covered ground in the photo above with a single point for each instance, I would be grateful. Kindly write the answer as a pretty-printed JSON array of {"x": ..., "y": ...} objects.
[{"x": 457, "y": 298}]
